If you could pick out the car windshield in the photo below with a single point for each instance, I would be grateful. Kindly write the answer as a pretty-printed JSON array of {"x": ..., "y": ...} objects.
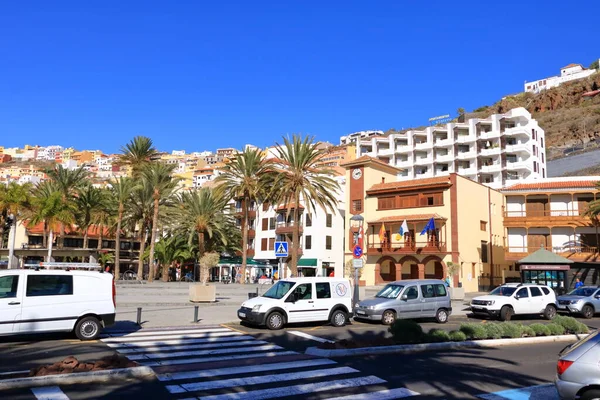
[
  {"x": 582, "y": 291},
  {"x": 279, "y": 290},
  {"x": 503, "y": 291},
  {"x": 390, "y": 292}
]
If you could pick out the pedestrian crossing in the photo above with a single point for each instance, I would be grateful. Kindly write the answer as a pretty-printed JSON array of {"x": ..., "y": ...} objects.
[{"x": 217, "y": 363}]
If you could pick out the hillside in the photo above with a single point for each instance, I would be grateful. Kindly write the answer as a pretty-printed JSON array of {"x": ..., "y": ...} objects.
[{"x": 569, "y": 119}]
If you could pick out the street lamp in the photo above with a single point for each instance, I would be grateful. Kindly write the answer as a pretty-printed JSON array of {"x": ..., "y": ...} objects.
[{"x": 356, "y": 221}]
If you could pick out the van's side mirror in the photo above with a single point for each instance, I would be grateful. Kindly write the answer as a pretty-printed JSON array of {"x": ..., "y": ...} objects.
[
  {"x": 404, "y": 297},
  {"x": 517, "y": 297},
  {"x": 292, "y": 298}
]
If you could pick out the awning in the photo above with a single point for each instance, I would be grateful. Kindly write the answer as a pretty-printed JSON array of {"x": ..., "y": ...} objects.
[
  {"x": 307, "y": 262},
  {"x": 238, "y": 260}
]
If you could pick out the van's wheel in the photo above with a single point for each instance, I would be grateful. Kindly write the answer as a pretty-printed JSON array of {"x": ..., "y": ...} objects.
[
  {"x": 275, "y": 321},
  {"x": 587, "y": 311},
  {"x": 441, "y": 316},
  {"x": 388, "y": 317},
  {"x": 338, "y": 318},
  {"x": 550, "y": 312},
  {"x": 506, "y": 313},
  {"x": 593, "y": 394},
  {"x": 88, "y": 328}
]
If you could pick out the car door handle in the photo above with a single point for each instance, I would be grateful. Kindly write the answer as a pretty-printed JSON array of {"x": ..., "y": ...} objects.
[
  {"x": 311, "y": 301},
  {"x": 14, "y": 303}
]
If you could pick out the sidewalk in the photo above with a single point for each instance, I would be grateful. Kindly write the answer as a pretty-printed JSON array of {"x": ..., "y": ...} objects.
[{"x": 167, "y": 303}]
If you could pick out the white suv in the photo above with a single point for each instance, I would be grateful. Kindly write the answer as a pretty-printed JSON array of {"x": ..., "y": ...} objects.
[{"x": 516, "y": 299}]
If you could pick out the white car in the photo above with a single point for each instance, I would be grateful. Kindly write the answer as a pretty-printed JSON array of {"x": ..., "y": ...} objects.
[
  {"x": 40, "y": 300},
  {"x": 300, "y": 300},
  {"x": 516, "y": 299}
]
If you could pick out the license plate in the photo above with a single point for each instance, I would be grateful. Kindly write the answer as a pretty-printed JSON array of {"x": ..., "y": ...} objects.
[
  {"x": 360, "y": 312},
  {"x": 476, "y": 308},
  {"x": 241, "y": 314}
]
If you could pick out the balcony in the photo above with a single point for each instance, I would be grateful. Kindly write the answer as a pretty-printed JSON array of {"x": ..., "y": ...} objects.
[
  {"x": 517, "y": 130},
  {"x": 408, "y": 247},
  {"x": 491, "y": 151},
  {"x": 494, "y": 167},
  {"x": 405, "y": 148},
  {"x": 517, "y": 148},
  {"x": 404, "y": 163},
  {"x": 251, "y": 212},
  {"x": 575, "y": 252},
  {"x": 444, "y": 157},
  {"x": 251, "y": 233},
  {"x": 287, "y": 228},
  {"x": 489, "y": 135},
  {"x": 422, "y": 145},
  {"x": 519, "y": 219},
  {"x": 465, "y": 138},
  {"x": 443, "y": 142},
  {"x": 519, "y": 165},
  {"x": 423, "y": 160},
  {"x": 467, "y": 171},
  {"x": 385, "y": 151}
]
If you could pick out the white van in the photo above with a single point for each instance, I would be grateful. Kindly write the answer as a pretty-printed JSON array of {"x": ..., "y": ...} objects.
[
  {"x": 300, "y": 300},
  {"x": 41, "y": 300}
]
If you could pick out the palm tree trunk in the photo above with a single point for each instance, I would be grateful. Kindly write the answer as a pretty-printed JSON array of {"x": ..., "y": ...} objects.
[
  {"x": 118, "y": 243},
  {"x": 2, "y": 234},
  {"x": 50, "y": 239},
  {"x": 295, "y": 238},
  {"x": 85, "y": 239},
  {"x": 153, "y": 237},
  {"x": 61, "y": 238},
  {"x": 245, "y": 239},
  {"x": 140, "y": 273},
  {"x": 200, "y": 253},
  {"x": 165, "y": 272},
  {"x": 100, "y": 236},
  {"x": 45, "y": 236}
]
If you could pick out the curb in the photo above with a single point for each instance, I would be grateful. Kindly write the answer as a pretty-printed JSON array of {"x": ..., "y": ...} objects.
[
  {"x": 416, "y": 348},
  {"x": 109, "y": 375}
]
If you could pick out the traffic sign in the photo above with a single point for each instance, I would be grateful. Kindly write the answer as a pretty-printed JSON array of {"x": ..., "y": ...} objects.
[
  {"x": 357, "y": 263},
  {"x": 357, "y": 251},
  {"x": 281, "y": 249}
]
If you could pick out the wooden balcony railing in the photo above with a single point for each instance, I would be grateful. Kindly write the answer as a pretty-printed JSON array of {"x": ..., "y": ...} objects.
[
  {"x": 283, "y": 228},
  {"x": 543, "y": 213},
  {"x": 409, "y": 247},
  {"x": 575, "y": 252}
]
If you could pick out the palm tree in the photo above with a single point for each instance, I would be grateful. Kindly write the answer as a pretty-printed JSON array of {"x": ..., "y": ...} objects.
[
  {"x": 139, "y": 216},
  {"x": 14, "y": 201},
  {"x": 246, "y": 177},
  {"x": 104, "y": 216},
  {"x": 138, "y": 153},
  {"x": 171, "y": 249},
  {"x": 158, "y": 177},
  {"x": 89, "y": 202},
  {"x": 121, "y": 196},
  {"x": 300, "y": 178}
]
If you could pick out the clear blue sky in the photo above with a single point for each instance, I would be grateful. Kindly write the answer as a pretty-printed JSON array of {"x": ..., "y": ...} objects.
[{"x": 197, "y": 75}]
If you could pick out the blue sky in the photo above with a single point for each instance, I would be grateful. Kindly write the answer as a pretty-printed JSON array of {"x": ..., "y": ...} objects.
[{"x": 197, "y": 75}]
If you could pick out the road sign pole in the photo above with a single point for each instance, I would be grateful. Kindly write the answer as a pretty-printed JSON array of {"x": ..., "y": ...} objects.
[{"x": 356, "y": 291}]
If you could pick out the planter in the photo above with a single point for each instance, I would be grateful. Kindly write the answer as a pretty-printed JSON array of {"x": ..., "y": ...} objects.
[
  {"x": 457, "y": 293},
  {"x": 200, "y": 293}
]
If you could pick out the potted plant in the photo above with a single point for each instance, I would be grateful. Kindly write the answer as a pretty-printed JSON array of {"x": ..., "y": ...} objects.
[
  {"x": 457, "y": 293},
  {"x": 202, "y": 291}
]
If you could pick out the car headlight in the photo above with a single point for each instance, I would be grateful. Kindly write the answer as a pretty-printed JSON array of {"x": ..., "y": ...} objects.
[
  {"x": 490, "y": 302},
  {"x": 256, "y": 308},
  {"x": 575, "y": 301}
]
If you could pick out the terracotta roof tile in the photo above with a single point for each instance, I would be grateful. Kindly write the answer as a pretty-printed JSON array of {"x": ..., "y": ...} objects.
[
  {"x": 288, "y": 206},
  {"x": 411, "y": 183},
  {"x": 588, "y": 184},
  {"x": 573, "y": 65},
  {"x": 408, "y": 218},
  {"x": 71, "y": 231}
]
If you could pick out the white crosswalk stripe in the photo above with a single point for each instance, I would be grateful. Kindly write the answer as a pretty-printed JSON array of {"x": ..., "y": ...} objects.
[{"x": 218, "y": 363}]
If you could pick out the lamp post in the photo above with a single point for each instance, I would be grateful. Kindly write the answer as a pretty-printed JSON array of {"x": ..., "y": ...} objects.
[{"x": 356, "y": 221}]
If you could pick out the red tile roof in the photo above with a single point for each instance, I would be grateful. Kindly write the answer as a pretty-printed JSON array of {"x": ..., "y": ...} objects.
[
  {"x": 69, "y": 231},
  {"x": 411, "y": 183},
  {"x": 288, "y": 206},
  {"x": 588, "y": 184},
  {"x": 367, "y": 159},
  {"x": 573, "y": 65},
  {"x": 408, "y": 218}
]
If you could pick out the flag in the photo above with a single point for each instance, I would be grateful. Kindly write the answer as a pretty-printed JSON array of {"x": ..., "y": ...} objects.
[
  {"x": 382, "y": 233},
  {"x": 429, "y": 227},
  {"x": 403, "y": 229},
  {"x": 361, "y": 235}
]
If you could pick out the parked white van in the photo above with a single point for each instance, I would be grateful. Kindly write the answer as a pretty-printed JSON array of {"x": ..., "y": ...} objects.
[
  {"x": 41, "y": 300},
  {"x": 300, "y": 300}
]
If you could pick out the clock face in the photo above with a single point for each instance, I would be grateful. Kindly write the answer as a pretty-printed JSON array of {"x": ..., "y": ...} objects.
[{"x": 357, "y": 173}]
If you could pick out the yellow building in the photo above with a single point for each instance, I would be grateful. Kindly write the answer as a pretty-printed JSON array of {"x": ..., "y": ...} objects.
[{"x": 467, "y": 231}]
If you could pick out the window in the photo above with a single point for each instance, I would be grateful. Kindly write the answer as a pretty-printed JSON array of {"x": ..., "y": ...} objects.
[
  {"x": 265, "y": 207},
  {"x": 263, "y": 244},
  {"x": 534, "y": 166},
  {"x": 272, "y": 244},
  {"x": 542, "y": 157},
  {"x": 427, "y": 291},
  {"x": 265, "y": 224},
  {"x": 8, "y": 286},
  {"x": 49, "y": 285},
  {"x": 308, "y": 219},
  {"x": 411, "y": 293},
  {"x": 543, "y": 172},
  {"x": 386, "y": 203},
  {"x": 323, "y": 290},
  {"x": 356, "y": 205},
  {"x": 440, "y": 290},
  {"x": 483, "y": 225},
  {"x": 522, "y": 293},
  {"x": 304, "y": 291},
  {"x": 535, "y": 292},
  {"x": 484, "y": 251},
  {"x": 329, "y": 221},
  {"x": 308, "y": 242},
  {"x": 327, "y": 242},
  {"x": 546, "y": 290},
  {"x": 271, "y": 223},
  {"x": 542, "y": 143}
]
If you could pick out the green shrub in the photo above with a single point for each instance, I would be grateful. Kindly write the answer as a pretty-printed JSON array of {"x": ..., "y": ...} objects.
[
  {"x": 457, "y": 336},
  {"x": 540, "y": 329},
  {"x": 582, "y": 328},
  {"x": 437, "y": 336},
  {"x": 405, "y": 331},
  {"x": 511, "y": 330},
  {"x": 555, "y": 329},
  {"x": 527, "y": 331},
  {"x": 570, "y": 324},
  {"x": 493, "y": 331},
  {"x": 474, "y": 331}
]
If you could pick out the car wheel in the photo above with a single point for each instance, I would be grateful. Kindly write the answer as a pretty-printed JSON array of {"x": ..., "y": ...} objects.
[
  {"x": 593, "y": 394},
  {"x": 587, "y": 311},
  {"x": 441, "y": 316},
  {"x": 388, "y": 317},
  {"x": 506, "y": 313},
  {"x": 275, "y": 321},
  {"x": 338, "y": 318},
  {"x": 550, "y": 312},
  {"x": 88, "y": 328}
]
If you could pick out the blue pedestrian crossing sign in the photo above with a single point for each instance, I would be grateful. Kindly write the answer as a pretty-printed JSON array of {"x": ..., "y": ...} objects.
[{"x": 281, "y": 249}]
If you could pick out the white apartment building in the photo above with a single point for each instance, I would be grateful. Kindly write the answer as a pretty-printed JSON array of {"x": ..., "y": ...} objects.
[
  {"x": 494, "y": 151},
  {"x": 178, "y": 153},
  {"x": 49, "y": 153},
  {"x": 571, "y": 72},
  {"x": 353, "y": 137}
]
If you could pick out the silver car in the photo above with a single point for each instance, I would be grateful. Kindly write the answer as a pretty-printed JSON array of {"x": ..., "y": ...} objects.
[
  {"x": 578, "y": 371},
  {"x": 411, "y": 298},
  {"x": 584, "y": 300}
]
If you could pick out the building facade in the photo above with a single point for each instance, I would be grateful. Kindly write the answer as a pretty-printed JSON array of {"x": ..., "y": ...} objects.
[
  {"x": 467, "y": 231},
  {"x": 495, "y": 151},
  {"x": 568, "y": 73}
]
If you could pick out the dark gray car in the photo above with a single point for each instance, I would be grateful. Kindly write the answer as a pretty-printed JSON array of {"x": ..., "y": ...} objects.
[
  {"x": 584, "y": 300},
  {"x": 578, "y": 370}
]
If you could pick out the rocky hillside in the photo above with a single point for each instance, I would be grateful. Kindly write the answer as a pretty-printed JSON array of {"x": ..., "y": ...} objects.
[{"x": 569, "y": 119}]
